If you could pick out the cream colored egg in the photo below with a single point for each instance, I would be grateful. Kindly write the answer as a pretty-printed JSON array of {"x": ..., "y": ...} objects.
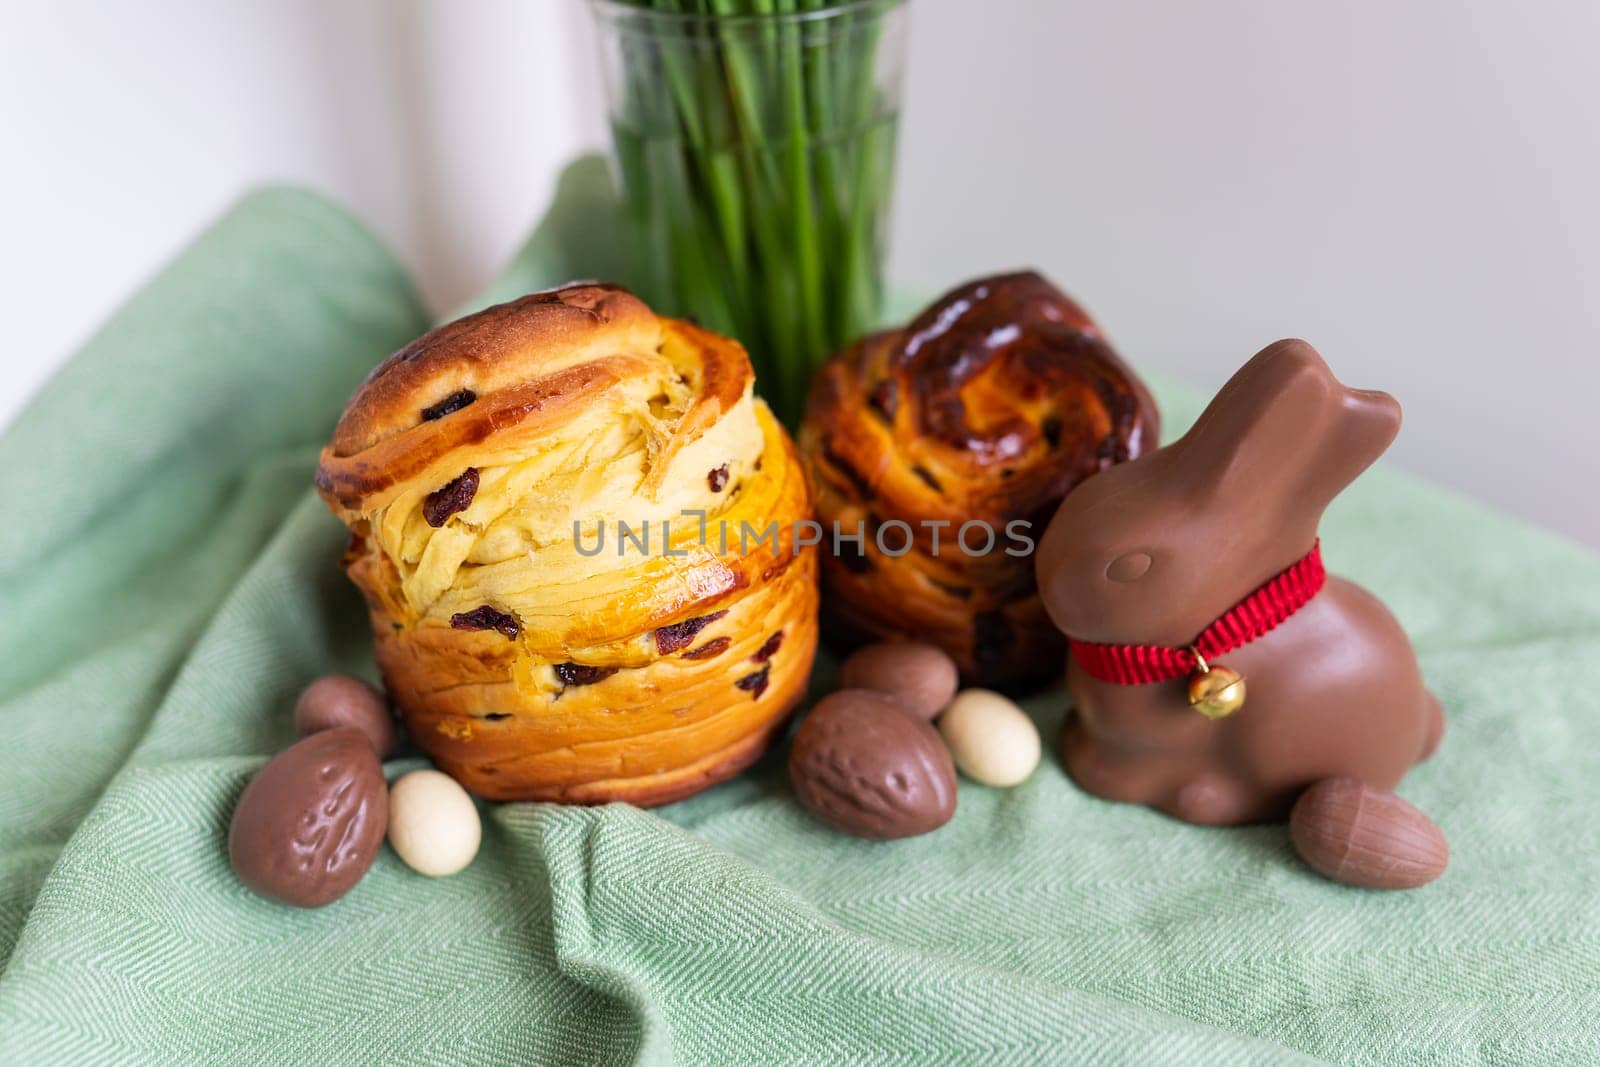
[
  {"x": 991, "y": 739},
  {"x": 433, "y": 824}
]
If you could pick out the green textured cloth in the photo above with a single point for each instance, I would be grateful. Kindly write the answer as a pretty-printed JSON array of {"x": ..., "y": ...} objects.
[{"x": 168, "y": 583}]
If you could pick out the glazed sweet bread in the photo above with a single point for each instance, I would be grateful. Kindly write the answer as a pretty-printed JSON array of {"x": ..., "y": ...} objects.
[
  {"x": 987, "y": 408},
  {"x": 536, "y": 495}
]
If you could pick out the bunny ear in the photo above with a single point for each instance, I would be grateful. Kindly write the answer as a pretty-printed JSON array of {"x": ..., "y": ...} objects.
[{"x": 1286, "y": 435}]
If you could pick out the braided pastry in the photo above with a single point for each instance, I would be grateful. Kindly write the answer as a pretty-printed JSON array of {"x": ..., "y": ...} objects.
[
  {"x": 986, "y": 408},
  {"x": 475, "y": 469}
]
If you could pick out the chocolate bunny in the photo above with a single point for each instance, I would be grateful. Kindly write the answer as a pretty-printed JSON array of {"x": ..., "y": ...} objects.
[{"x": 1209, "y": 545}]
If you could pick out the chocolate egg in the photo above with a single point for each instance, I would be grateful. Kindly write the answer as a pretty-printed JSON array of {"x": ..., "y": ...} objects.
[
  {"x": 311, "y": 821},
  {"x": 921, "y": 677},
  {"x": 340, "y": 700},
  {"x": 865, "y": 765},
  {"x": 1352, "y": 833},
  {"x": 433, "y": 825},
  {"x": 991, "y": 739}
]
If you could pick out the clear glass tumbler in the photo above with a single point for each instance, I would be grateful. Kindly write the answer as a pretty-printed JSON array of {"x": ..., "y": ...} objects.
[{"x": 755, "y": 153}]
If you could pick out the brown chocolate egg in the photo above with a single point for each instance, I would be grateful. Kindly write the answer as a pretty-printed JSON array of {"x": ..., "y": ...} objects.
[
  {"x": 922, "y": 677},
  {"x": 339, "y": 700},
  {"x": 865, "y": 765},
  {"x": 311, "y": 821},
  {"x": 1352, "y": 833}
]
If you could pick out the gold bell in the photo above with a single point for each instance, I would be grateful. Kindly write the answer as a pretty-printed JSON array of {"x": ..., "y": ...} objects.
[{"x": 1215, "y": 691}]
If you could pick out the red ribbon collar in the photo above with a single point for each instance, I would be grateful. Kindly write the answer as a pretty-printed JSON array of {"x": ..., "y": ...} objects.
[{"x": 1247, "y": 620}]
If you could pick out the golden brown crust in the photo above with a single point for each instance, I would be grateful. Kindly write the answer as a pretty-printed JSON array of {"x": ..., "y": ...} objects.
[
  {"x": 489, "y": 350},
  {"x": 989, "y": 407},
  {"x": 525, "y": 664}
]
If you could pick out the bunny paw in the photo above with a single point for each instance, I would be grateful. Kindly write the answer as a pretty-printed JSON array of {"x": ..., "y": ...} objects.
[{"x": 1212, "y": 801}]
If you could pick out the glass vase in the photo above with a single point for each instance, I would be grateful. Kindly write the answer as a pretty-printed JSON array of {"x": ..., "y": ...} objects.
[{"x": 755, "y": 155}]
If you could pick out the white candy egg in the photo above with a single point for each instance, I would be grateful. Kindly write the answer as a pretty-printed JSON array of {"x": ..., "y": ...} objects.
[
  {"x": 991, "y": 739},
  {"x": 433, "y": 824}
]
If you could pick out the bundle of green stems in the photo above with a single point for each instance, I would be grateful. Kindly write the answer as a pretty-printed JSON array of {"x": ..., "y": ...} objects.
[{"x": 755, "y": 155}]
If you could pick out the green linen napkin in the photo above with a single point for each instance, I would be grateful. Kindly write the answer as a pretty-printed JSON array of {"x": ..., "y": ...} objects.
[{"x": 168, "y": 583}]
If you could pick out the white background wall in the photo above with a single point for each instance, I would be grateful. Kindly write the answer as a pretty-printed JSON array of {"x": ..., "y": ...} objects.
[{"x": 1411, "y": 184}]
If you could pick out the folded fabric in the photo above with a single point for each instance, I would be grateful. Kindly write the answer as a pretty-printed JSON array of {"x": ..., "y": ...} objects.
[{"x": 168, "y": 583}]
